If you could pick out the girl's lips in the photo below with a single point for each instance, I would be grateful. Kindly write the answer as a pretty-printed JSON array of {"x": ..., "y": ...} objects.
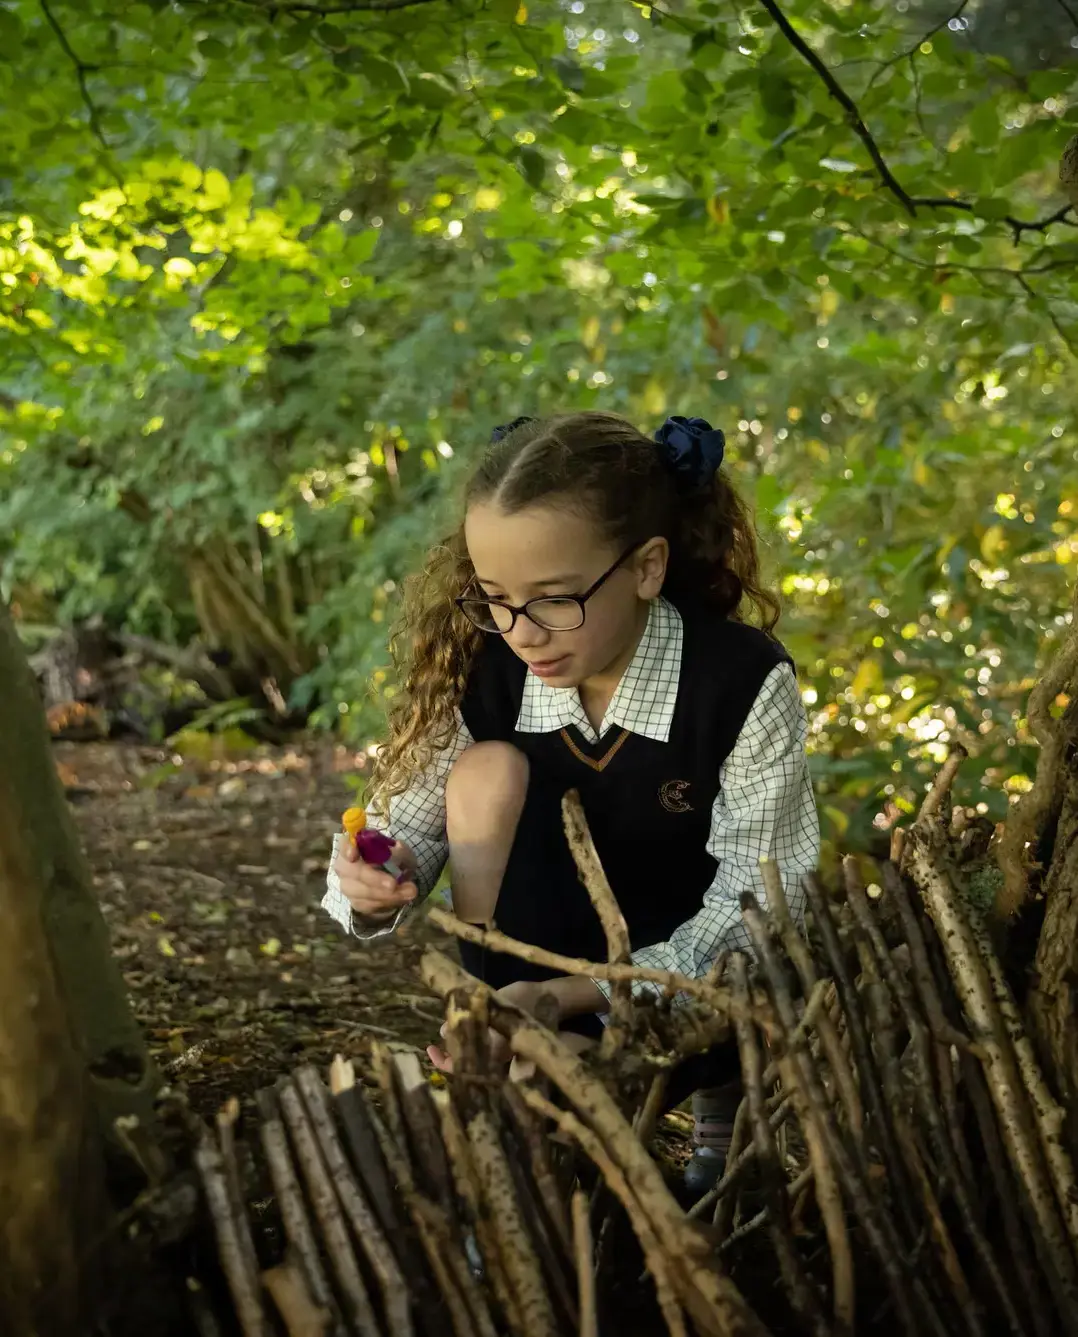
[{"x": 548, "y": 668}]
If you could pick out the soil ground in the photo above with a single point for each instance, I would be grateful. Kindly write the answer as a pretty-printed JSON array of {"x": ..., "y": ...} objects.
[{"x": 210, "y": 870}]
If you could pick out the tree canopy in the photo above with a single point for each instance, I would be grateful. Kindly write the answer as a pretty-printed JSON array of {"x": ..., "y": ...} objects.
[{"x": 269, "y": 273}]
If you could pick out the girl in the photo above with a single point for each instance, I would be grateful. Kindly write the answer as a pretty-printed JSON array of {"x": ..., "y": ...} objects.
[{"x": 582, "y": 629}]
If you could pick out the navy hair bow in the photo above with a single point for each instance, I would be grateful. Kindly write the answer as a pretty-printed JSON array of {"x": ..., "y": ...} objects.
[
  {"x": 692, "y": 448},
  {"x": 500, "y": 432}
]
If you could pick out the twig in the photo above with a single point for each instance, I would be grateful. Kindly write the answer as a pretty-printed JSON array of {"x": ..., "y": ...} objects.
[
  {"x": 717, "y": 997},
  {"x": 327, "y": 1210},
  {"x": 1001, "y": 1069},
  {"x": 1030, "y": 815},
  {"x": 910, "y": 52},
  {"x": 364, "y": 1147},
  {"x": 439, "y": 1234},
  {"x": 713, "y": 1300},
  {"x": 243, "y": 1283},
  {"x": 586, "y": 858},
  {"x": 647, "y": 1116},
  {"x": 798, "y": 952},
  {"x": 859, "y": 1039},
  {"x": 585, "y": 1267},
  {"x": 742, "y": 1153},
  {"x": 853, "y": 116},
  {"x": 799, "y": 1286},
  {"x": 1003, "y": 1182},
  {"x": 881, "y": 1014},
  {"x": 368, "y": 1231},
  {"x": 289, "y": 1195},
  {"x": 761, "y": 1218},
  {"x": 658, "y": 1258},
  {"x": 302, "y": 1316},
  {"x": 946, "y": 1152},
  {"x": 81, "y": 71},
  {"x": 802, "y": 1077}
]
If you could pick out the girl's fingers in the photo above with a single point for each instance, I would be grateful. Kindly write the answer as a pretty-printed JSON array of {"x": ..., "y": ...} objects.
[{"x": 439, "y": 1058}]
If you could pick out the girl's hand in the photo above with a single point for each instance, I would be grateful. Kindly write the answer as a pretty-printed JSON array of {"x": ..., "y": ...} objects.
[
  {"x": 524, "y": 994},
  {"x": 368, "y": 890}
]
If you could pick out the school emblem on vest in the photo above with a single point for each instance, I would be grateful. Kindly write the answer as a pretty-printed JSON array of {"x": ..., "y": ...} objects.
[{"x": 672, "y": 796}]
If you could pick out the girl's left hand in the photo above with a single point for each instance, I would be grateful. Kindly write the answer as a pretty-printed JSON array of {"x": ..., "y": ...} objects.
[{"x": 524, "y": 994}]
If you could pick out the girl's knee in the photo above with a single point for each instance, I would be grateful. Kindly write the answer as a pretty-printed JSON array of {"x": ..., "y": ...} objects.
[{"x": 493, "y": 775}]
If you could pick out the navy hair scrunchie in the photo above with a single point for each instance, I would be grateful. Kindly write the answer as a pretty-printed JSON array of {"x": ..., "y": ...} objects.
[
  {"x": 500, "y": 432},
  {"x": 693, "y": 450}
]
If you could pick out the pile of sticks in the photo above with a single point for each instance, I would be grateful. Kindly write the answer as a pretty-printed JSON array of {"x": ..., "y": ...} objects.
[{"x": 898, "y": 1162}]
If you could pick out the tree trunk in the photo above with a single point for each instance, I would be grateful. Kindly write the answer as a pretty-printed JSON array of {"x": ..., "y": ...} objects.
[
  {"x": 71, "y": 1056},
  {"x": 122, "y": 1079},
  {"x": 1053, "y": 998}
]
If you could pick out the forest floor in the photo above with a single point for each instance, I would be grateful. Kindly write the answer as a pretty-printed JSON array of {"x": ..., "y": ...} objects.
[{"x": 210, "y": 868}]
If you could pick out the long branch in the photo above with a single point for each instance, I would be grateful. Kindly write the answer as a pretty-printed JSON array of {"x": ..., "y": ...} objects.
[
  {"x": 909, "y": 202},
  {"x": 81, "y": 71}
]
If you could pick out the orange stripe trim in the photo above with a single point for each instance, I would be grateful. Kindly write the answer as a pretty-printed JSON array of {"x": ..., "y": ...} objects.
[{"x": 604, "y": 761}]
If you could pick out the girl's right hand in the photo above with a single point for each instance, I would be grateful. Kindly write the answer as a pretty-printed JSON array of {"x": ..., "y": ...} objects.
[{"x": 367, "y": 889}]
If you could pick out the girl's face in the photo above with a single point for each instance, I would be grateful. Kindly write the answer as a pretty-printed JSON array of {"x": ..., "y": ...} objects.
[{"x": 541, "y": 551}]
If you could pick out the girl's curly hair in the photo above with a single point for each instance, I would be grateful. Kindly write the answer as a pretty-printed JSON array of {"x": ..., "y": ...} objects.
[{"x": 594, "y": 463}]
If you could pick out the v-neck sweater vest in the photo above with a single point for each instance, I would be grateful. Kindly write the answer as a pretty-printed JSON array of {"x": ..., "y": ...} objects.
[{"x": 648, "y": 803}]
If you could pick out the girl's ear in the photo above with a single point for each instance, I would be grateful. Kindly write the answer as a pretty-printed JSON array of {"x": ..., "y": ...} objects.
[{"x": 651, "y": 561}]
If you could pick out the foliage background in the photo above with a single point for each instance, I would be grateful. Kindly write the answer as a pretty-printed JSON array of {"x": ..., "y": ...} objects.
[{"x": 270, "y": 271}]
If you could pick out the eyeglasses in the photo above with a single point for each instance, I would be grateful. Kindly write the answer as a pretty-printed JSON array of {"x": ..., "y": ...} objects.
[{"x": 561, "y": 612}]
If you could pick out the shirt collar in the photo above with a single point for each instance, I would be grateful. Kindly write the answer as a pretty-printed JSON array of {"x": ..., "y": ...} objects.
[{"x": 644, "y": 700}]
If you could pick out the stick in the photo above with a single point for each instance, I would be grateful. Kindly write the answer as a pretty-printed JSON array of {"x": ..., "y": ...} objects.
[
  {"x": 1003, "y": 1181},
  {"x": 978, "y": 1001},
  {"x": 859, "y": 1041},
  {"x": 619, "y": 1026},
  {"x": 363, "y": 1144},
  {"x": 801, "y": 1075},
  {"x": 496, "y": 941},
  {"x": 799, "y": 1286},
  {"x": 647, "y": 1116},
  {"x": 882, "y": 1020},
  {"x": 438, "y": 1233},
  {"x": 657, "y": 1259},
  {"x": 798, "y": 952},
  {"x": 1047, "y": 1112},
  {"x": 585, "y": 1267},
  {"x": 761, "y": 1218},
  {"x": 289, "y": 1195},
  {"x": 717, "y": 1304},
  {"x": 364, "y": 1223},
  {"x": 923, "y": 1094},
  {"x": 243, "y": 1284},
  {"x": 226, "y": 1136},
  {"x": 327, "y": 1210},
  {"x": 302, "y": 1316}
]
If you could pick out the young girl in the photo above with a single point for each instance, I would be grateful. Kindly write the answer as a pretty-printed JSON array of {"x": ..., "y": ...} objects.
[{"x": 582, "y": 629}]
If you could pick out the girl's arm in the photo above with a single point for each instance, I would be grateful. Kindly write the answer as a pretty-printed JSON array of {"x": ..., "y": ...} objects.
[
  {"x": 766, "y": 808},
  {"x": 417, "y": 820}
]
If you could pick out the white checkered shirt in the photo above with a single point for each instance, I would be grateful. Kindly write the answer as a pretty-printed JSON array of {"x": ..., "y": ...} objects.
[{"x": 765, "y": 806}]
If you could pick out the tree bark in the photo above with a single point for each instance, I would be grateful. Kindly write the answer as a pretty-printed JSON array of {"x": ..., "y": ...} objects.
[
  {"x": 71, "y": 1055},
  {"x": 51, "y": 1181},
  {"x": 1053, "y": 996},
  {"x": 40, "y": 842}
]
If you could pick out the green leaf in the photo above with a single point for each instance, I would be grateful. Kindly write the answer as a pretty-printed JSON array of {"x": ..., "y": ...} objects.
[{"x": 533, "y": 166}]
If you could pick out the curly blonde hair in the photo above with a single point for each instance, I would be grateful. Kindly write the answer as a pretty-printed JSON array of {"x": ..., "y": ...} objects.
[{"x": 597, "y": 464}]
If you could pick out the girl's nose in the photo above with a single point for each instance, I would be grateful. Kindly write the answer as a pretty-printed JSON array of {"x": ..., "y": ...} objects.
[{"x": 527, "y": 636}]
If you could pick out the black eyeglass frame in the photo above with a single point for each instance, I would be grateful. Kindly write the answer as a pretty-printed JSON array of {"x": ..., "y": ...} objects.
[{"x": 579, "y": 599}]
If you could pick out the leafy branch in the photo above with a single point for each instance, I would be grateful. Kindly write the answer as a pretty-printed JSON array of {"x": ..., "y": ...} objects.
[
  {"x": 912, "y": 51},
  {"x": 911, "y": 203},
  {"x": 271, "y": 8},
  {"x": 82, "y": 70}
]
